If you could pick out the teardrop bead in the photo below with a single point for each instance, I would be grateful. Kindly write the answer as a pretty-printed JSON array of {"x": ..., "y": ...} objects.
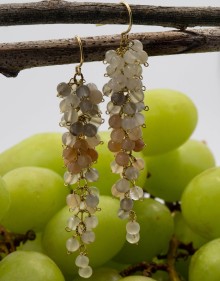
[
  {"x": 70, "y": 154},
  {"x": 129, "y": 108},
  {"x": 116, "y": 193},
  {"x": 71, "y": 116},
  {"x": 109, "y": 54},
  {"x": 93, "y": 154},
  {"x": 93, "y": 141},
  {"x": 85, "y": 106},
  {"x": 118, "y": 98},
  {"x": 107, "y": 90},
  {"x": 81, "y": 144},
  {"x": 70, "y": 179},
  {"x": 136, "y": 96},
  {"x": 92, "y": 87},
  {"x": 74, "y": 168}
]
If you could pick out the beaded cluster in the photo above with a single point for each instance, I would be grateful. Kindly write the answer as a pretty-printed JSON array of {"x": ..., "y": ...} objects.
[
  {"x": 125, "y": 89},
  {"x": 81, "y": 117}
]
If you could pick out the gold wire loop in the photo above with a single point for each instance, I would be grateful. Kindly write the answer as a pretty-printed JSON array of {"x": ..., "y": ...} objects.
[
  {"x": 78, "y": 72},
  {"x": 124, "y": 35}
]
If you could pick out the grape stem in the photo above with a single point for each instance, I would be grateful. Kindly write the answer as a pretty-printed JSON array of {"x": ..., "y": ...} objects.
[
  {"x": 9, "y": 241},
  {"x": 171, "y": 259}
]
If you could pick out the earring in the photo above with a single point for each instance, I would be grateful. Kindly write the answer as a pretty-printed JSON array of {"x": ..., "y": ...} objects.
[
  {"x": 81, "y": 117},
  {"x": 126, "y": 92}
]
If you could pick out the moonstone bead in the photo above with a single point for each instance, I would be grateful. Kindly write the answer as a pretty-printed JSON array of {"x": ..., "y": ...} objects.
[
  {"x": 142, "y": 57},
  {"x": 73, "y": 200},
  {"x": 131, "y": 173},
  {"x": 136, "y": 193},
  {"x": 94, "y": 190},
  {"x": 139, "y": 164},
  {"x": 129, "y": 57},
  {"x": 114, "y": 146},
  {"x": 71, "y": 116},
  {"x": 122, "y": 159},
  {"x": 92, "y": 175},
  {"x": 107, "y": 90},
  {"x": 109, "y": 54},
  {"x": 134, "y": 84},
  {"x": 85, "y": 106},
  {"x": 136, "y": 45},
  {"x": 132, "y": 227},
  {"x": 113, "y": 109},
  {"x": 128, "y": 123},
  {"x": 132, "y": 70},
  {"x": 139, "y": 118},
  {"x": 96, "y": 121},
  {"x": 90, "y": 130},
  {"x": 73, "y": 100},
  {"x": 91, "y": 222},
  {"x": 116, "y": 193},
  {"x": 127, "y": 144},
  {"x": 116, "y": 169},
  {"x": 63, "y": 89},
  {"x": 70, "y": 179},
  {"x": 123, "y": 215},
  {"x": 139, "y": 145},
  {"x": 122, "y": 185},
  {"x": 140, "y": 106},
  {"x": 68, "y": 139},
  {"x": 129, "y": 108},
  {"x": 72, "y": 222},
  {"x": 72, "y": 245},
  {"x": 115, "y": 85},
  {"x": 110, "y": 69},
  {"x": 85, "y": 272},
  {"x": 133, "y": 238},
  {"x": 117, "y": 62},
  {"x": 94, "y": 110},
  {"x": 92, "y": 87},
  {"x": 118, "y": 98},
  {"x": 117, "y": 135},
  {"x": 93, "y": 141},
  {"x": 83, "y": 91},
  {"x": 115, "y": 121},
  {"x": 136, "y": 96},
  {"x": 77, "y": 128},
  {"x": 92, "y": 200},
  {"x": 95, "y": 97},
  {"x": 126, "y": 204},
  {"x": 88, "y": 237},
  {"x": 82, "y": 261},
  {"x": 135, "y": 133}
]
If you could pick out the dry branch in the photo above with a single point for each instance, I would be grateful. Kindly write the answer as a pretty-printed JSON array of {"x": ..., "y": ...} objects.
[
  {"x": 15, "y": 57},
  {"x": 59, "y": 11}
]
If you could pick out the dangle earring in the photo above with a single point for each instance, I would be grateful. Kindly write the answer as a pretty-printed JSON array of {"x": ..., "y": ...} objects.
[
  {"x": 81, "y": 117},
  {"x": 126, "y": 92}
]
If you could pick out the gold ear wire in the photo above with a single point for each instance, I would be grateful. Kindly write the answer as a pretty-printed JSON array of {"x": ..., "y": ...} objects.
[
  {"x": 124, "y": 35},
  {"x": 78, "y": 67}
]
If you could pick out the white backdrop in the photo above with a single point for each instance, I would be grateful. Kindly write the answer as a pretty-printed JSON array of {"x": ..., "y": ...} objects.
[{"x": 29, "y": 104}]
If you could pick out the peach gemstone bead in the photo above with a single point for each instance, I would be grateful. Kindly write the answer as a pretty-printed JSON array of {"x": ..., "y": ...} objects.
[
  {"x": 84, "y": 160},
  {"x": 117, "y": 135},
  {"x": 135, "y": 134},
  {"x": 69, "y": 154},
  {"x": 74, "y": 168},
  {"x": 122, "y": 159},
  {"x": 81, "y": 144},
  {"x": 139, "y": 145},
  {"x": 93, "y": 154},
  {"x": 115, "y": 121},
  {"x": 114, "y": 146},
  {"x": 128, "y": 144}
]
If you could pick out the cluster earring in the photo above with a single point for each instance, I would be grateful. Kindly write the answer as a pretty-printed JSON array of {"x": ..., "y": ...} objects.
[
  {"x": 81, "y": 117},
  {"x": 126, "y": 91}
]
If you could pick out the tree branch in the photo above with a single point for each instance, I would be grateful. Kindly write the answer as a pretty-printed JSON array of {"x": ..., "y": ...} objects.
[
  {"x": 59, "y": 11},
  {"x": 15, "y": 57}
]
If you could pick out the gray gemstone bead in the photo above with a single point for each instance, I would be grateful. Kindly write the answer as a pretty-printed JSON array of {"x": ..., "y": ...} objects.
[
  {"x": 83, "y": 91},
  {"x": 90, "y": 130},
  {"x": 77, "y": 128},
  {"x": 85, "y": 106},
  {"x": 126, "y": 204},
  {"x": 118, "y": 98},
  {"x": 63, "y": 89}
]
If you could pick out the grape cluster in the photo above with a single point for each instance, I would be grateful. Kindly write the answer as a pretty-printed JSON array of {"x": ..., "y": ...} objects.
[
  {"x": 82, "y": 117},
  {"x": 126, "y": 92}
]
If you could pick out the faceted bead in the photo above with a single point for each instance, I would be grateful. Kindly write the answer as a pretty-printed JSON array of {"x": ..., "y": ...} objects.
[
  {"x": 81, "y": 144},
  {"x": 92, "y": 175},
  {"x": 136, "y": 96},
  {"x": 71, "y": 116},
  {"x": 90, "y": 130},
  {"x": 117, "y": 135},
  {"x": 116, "y": 169},
  {"x": 82, "y": 91},
  {"x": 72, "y": 245},
  {"x": 123, "y": 215},
  {"x": 139, "y": 145},
  {"x": 135, "y": 133},
  {"x": 95, "y": 97},
  {"x": 70, "y": 179},
  {"x": 116, "y": 193},
  {"x": 63, "y": 89},
  {"x": 84, "y": 160},
  {"x": 73, "y": 200},
  {"x": 92, "y": 200},
  {"x": 131, "y": 173},
  {"x": 129, "y": 108},
  {"x": 126, "y": 204},
  {"x": 93, "y": 154},
  {"x": 139, "y": 164},
  {"x": 127, "y": 144},
  {"x": 118, "y": 98},
  {"x": 93, "y": 141},
  {"x": 133, "y": 227},
  {"x": 113, "y": 109},
  {"x": 85, "y": 106},
  {"x": 92, "y": 87},
  {"x": 82, "y": 261},
  {"x": 115, "y": 121},
  {"x": 107, "y": 90},
  {"x": 122, "y": 159},
  {"x": 136, "y": 193},
  {"x": 74, "y": 168},
  {"x": 77, "y": 128},
  {"x": 114, "y": 146},
  {"x": 133, "y": 238},
  {"x": 109, "y": 54},
  {"x": 68, "y": 139},
  {"x": 91, "y": 222},
  {"x": 128, "y": 123},
  {"x": 69, "y": 154},
  {"x": 88, "y": 237},
  {"x": 72, "y": 222},
  {"x": 122, "y": 185},
  {"x": 85, "y": 272}
]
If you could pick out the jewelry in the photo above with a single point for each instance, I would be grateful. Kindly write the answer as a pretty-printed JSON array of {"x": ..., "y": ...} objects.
[
  {"x": 81, "y": 117},
  {"x": 126, "y": 92}
]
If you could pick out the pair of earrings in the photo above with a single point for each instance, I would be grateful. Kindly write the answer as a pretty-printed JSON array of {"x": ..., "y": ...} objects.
[{"x": 82, "y": 118}]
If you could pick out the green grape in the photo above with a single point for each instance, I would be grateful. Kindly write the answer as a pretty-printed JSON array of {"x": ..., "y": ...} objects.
[
  {"x": 41, "y": 150},
  {"x": 35, "y": 245},
  {"x": 161, "y": 276},
  {"x": 156, "y": 231},
  {"x": 137, "y": 278},
  {"x": 205, "y": 262},
  {"x": 4, "y": 199},
  {"x": 116, "y": 265},
  {"x": 36, "y": 195},
  {"x": 29, "y": 266},
  {"x": 185, "y": 234},
  {"x": 170, "y": 121},
  {"x": 101, "y": 274},
  {"x": 171, "y": 172},
  {"x": 110, "y": 237},
  {"x": 182, "y": 267},
  {"x": 200, "y": 204},
  {"x": 103, "y": 166}
]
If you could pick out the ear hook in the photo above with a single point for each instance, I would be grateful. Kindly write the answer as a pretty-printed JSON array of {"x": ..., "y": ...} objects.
[
  {"x": 78, "y": 67},
  {"x": 124, "y": 34}
]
